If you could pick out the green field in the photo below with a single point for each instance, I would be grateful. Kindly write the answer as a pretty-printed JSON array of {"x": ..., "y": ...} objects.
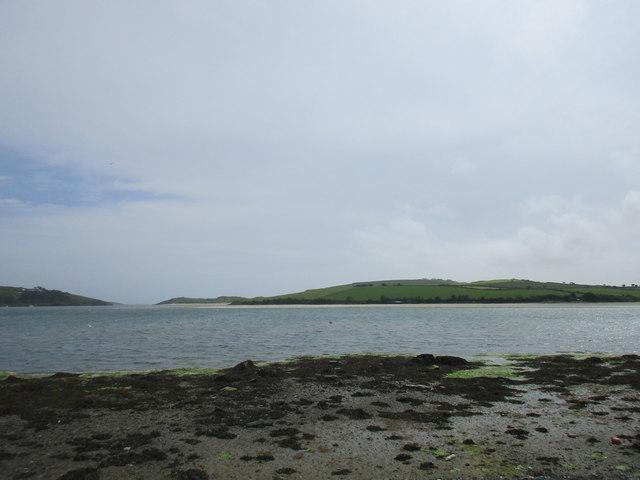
[{"x": 428, "y": 291}]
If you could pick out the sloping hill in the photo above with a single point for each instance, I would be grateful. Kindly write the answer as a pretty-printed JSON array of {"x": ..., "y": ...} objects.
[
  {"x": 38, "y": 296},
  {"x": 448, "y": 291},
  {"x": 190, "y": 300}
]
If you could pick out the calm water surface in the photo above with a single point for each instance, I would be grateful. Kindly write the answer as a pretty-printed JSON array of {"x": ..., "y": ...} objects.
[{"x": 43, "y": 339}]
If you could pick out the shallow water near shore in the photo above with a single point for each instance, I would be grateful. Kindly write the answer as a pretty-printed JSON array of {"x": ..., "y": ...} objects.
[{"x": 48, "y": 339}]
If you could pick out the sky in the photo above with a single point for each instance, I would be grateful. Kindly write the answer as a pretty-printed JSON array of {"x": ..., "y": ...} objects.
[{"x": 155, "y": 149}]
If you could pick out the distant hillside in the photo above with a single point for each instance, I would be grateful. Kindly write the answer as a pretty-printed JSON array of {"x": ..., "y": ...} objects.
[
  {"x": 223, "y": 299},
  {"x": 449, "y": 291},
  {"x": 41, "y": 297}
]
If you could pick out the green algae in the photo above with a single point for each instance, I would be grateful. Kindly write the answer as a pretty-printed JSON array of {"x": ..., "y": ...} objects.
[
  {"x": 491, "y": 371},
  {"x": 482, "y": 457}
]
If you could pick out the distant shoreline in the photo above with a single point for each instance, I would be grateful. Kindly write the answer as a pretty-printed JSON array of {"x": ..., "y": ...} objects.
[{"x": 404, "y": 305}]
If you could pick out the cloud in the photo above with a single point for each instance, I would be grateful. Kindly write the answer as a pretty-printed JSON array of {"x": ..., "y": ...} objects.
[
  {"x": 11, "y": 203},
  {"x": 568, "y": 239},
  {"x": 204, "y": 142},
  {"x": 627, "y": 164},
  {"x": 631, "y": 206},
  {"x": 463, "y": 167}
]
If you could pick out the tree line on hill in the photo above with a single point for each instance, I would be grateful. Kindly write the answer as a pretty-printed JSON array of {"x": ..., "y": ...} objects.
[{"x": 589, "y": 297}]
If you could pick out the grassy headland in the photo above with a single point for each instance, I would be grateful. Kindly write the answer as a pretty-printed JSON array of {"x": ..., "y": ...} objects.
[
  {"x": 448, "y": 291},
  {"x": 41, "y": 297}
]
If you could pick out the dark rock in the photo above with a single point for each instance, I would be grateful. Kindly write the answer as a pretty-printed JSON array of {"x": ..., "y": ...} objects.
[
  {"x": 403, "y": 457},
  {"x": 191, "y": 474},
  {"x": 354, "y": 413},
  {"x": 259, "y": 424},
  {"x": 423, "y": 359},
  {"x": 265, "y": 457},
  {"x": 153, "y": 454},
  {"x": 363, "y": 394},
  {"x": 452, "y": 361},
  {"x": 468, "y": 441},
  {"x": 342, "y": 471},
  {"x": 328, "y": 418},
  {"x": 224, "y": 379},
  {"x": 64, "y": 375},
  {"x": 427, "y": 466},
  {"x": 284, "y": 432},
  {"x": 412, "y": 447},
  {"x": 593, "y": 360},
  {"x": 6, "y": 455},
  {"x": 376, "y": 428},
  {"x": 246, "y": 365},
  {"x": 221, "y": 433},
  {"x": 551, "y": 460},
  {"x": 81, "y": 474},
  {"x": 14, "y": 379},
  {"x": 286, "y": 471},
  {"x": 291, "y": 442}
]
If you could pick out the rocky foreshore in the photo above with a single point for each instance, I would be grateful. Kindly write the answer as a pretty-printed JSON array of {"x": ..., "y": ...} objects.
[{"x": 351, "y": 417}]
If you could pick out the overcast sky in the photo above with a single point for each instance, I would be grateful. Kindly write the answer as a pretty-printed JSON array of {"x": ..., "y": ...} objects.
[{"x": 152, "y": 149}]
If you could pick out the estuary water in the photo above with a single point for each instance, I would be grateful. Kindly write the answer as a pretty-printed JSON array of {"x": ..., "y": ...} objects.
[{"x": 51, "y": 339}]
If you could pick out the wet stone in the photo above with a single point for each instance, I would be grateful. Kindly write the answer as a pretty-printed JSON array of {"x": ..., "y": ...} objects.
[
  {"x": 355, "y": 413},
  {"x": 265, "y": 457},
  {"x": 342, "y": 471},
  {"x": 403, "y": 457},
  {"x": 328, "y": 418},
  {"x": 375, "y": 428},
  {"x": 412, "y": 447},
  {"x": 284, "y": 432},
  {"x": 81, "y": 474},
  {"x": 190, "y": 474},
  {"x": 427, "y": 466},
  {"x": 286, "y": 471}
]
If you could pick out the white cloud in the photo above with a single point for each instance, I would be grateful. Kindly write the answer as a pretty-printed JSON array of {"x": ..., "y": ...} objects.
[
  {"x": 12, "y": 203},
  {"x": 570, "y": 241}
]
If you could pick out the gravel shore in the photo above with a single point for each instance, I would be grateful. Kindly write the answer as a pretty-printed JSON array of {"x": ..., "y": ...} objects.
[{"x": 351, "y": 417}]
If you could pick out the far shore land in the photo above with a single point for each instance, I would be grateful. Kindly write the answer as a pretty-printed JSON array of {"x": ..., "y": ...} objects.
[
  {"x": 406, "y": 305},
  {"x": 352, "y": 417}
]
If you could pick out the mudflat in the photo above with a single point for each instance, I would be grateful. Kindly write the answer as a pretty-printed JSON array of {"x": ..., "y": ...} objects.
[{"x": 351, "y": 417}]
